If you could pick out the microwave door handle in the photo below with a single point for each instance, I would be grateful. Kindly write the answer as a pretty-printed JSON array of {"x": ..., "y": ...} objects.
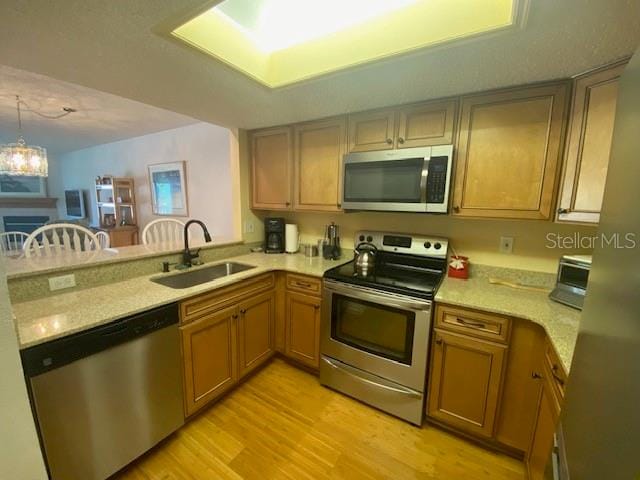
[{"x": 423, "y": 180}]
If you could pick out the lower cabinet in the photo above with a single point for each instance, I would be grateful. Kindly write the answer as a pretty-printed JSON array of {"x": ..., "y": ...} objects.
[
  {"x": 466, "y": 379},
  {"x": 256, "y": 331},
  {"x": 302, "y": 328},
  {"x": 542, "y": 441},
  {"x": 210, "y": 357}
]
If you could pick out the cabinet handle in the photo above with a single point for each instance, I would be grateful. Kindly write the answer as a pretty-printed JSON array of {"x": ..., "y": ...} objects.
[
  {"x": 535, "y": 375},
  {"x": 469, "y": 323},
  {"x": 389, "y": 141},
  {"x": 303, "y": 284},
  {"x": 557, "y": 379},
  {"x": 400, "y": 140},
  {"x": 439, "y": 341}
]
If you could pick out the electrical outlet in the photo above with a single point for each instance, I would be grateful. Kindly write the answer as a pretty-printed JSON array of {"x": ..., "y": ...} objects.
[
  {"x": 62, "y": 282},
  {"x": 249, "y": 227},
  {"x": 506, "y": 244}
]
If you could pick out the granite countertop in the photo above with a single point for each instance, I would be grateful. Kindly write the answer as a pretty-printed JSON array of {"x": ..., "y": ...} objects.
[
  {"x": 559, "y": 321},
  {"x": 45, "y": 319}
]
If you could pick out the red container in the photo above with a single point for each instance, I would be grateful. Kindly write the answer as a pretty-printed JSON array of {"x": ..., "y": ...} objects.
[{"x": 459, "y": 272}]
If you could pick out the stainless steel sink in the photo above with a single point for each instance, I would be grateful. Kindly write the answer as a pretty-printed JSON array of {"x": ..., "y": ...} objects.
[{"x": 201, "y": 275}]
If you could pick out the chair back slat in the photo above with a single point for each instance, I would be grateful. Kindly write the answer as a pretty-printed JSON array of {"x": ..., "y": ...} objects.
[{"x": 11, "y": 243}]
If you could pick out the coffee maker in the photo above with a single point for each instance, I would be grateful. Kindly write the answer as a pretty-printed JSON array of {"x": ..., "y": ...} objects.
[
  {"x": 331, "y": 245},
  {"x": 274, "y": 235}
]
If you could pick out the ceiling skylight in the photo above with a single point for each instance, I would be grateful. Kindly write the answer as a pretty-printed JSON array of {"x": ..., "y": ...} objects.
[
  {"x": 280, "y": 42},
  {"x": 274, "y": 25}
]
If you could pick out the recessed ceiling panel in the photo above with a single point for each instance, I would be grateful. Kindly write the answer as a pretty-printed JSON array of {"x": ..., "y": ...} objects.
[{"x": 280, "y": 42}]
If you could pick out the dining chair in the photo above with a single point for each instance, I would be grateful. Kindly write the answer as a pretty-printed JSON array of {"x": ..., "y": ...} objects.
[
  {"x": 163, "y": 230},
  {"x": 103, "y": 239},
  {"x": 60, "y": 239},
  {"x": 11, "y": 243}
]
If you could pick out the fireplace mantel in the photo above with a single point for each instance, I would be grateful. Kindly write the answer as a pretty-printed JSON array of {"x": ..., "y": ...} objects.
[{"x": 28, "y": 202}]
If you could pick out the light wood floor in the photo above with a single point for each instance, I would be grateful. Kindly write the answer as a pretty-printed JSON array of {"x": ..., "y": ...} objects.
[{"x": 281, "y": 424}]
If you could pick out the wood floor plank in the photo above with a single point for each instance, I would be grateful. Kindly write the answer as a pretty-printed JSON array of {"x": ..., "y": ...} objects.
[{"x": 283, "y": 425}]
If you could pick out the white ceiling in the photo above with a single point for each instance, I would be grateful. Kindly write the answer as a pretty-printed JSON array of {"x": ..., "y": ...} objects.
[
  {"x": 100, "y": 117},
  {"x": 111, "y": 46}
]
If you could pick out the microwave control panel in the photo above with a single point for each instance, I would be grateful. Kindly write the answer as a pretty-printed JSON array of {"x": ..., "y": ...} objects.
[{"x": 437, "y": 179}]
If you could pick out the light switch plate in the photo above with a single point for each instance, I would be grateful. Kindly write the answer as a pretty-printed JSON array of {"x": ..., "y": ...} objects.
[
  {"x": 506, "y": 244},
  {"x": 62, "y": 282}
]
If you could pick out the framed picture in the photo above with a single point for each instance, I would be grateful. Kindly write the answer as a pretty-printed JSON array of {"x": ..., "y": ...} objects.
[{"x": 168, "y": 189}]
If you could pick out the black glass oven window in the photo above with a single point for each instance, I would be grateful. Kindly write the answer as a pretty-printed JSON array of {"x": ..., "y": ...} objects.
[
  {"x": 389, "y": 181},
  {"x": 383, "y": 331},
  {"x": 574, "y": 276}
]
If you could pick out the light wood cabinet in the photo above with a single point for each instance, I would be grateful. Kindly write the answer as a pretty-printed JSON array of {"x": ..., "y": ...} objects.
[
  {"x": 210, "y": 357},
  {"x": 593, "y": 111},
  {"x": 272, "y": 168},
  {"x": 256, "y": 332},
  {"x": 426, "y": 124},
  {"x": 521, "y": 389},
  {"x": 302, "y": 336},
  {"x": 374, "y": 130},
  {"x": 508, "y": 152},
  {"x": 318, "y": 150},
  {"x": 466, "y": 380},
  {"x": 417, "y": 125},
  {"x": 542, "y": 441}
]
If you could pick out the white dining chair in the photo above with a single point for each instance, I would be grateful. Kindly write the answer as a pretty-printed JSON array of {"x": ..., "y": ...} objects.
[
  {"x": 60, "y": 239},
  {"x": 163, "y": 230},
  {"x": 11, "y": 243},
  {"x": 103, "y": 239}
]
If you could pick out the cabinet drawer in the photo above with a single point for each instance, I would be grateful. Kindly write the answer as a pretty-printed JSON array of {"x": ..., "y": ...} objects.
[
  {"x": 304, "y": 284},
  {"x": 195, "y": 307},
  {"x": 476, "y": 324},
  {"x": 554, "y": 371}
]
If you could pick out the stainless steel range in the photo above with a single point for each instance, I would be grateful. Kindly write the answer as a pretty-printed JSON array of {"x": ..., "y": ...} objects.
[{"x": 376, "y": 321}]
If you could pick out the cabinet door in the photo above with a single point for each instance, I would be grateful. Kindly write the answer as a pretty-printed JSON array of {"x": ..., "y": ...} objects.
[
  {"x": 521, "y": 389},
  {"x": 271, "y": 169},
  {"x": 588, "y": 145},
  {"x": 210, "y": 358},
  {"x": 302, "y": 340},
  {"x": 319, "y": 147},
  {"x": 508, "y": 152},
  {"x": 426, "y": 124},
  {"x": 256, "y": 330},
  {"x": 542, "y": 442},
  {"x": 466, "y": 377},
  {"x": 372, "y": 130}
]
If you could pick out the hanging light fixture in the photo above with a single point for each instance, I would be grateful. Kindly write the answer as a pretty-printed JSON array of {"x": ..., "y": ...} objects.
[{"x": 22, "y": 159}]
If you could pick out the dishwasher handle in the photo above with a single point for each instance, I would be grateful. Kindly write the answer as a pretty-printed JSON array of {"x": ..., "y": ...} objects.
[{"x": 56, "y": 353}]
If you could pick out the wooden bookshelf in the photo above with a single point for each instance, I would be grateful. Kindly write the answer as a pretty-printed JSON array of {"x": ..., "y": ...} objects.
[{"x": 116, "y": 200}]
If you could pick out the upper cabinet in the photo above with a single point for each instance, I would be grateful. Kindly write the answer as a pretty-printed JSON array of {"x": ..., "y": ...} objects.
[
  {"x": 593, "y": 112},
  {"x": 418, "y": 125},
  {"x": 271, "y": 168},
  {"x": 318, "y": 150},
  {"x": 508, "y": 152}
]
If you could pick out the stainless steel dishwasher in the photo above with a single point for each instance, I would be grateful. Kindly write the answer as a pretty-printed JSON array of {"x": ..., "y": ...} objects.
[{"x": 105, "y": 396}]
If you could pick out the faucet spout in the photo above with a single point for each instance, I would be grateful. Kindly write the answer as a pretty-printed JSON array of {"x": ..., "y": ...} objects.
[{"x": 187, "y": 255}]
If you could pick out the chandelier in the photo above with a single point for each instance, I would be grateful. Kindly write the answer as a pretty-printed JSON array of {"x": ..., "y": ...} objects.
[{"x": 22, "y": 159}]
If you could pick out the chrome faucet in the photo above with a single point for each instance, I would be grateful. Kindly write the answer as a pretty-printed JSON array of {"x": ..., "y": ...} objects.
[{"x": 188, "y": 256}]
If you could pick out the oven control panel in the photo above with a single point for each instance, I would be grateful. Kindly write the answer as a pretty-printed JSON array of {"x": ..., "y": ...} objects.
[{"x": 405, "y": 243}]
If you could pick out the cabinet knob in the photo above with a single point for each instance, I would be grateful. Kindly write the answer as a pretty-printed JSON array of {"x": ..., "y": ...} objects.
[
  {"x": 563, "y": 210},
  {"x": 535, "y": 375},
  {"x": 339, "y": 205},
  {"x": 316, "y": 307},
  {"x": 389, "y": 141},
  {"x": 234, "y": 316},
  {"x": 400, "y": 140},
  {"x": 288, "y": 204},
  {"x": 456, "y": 208},
  {"x": 439, "y": 341},
  {"x": 243, "y": 311}
]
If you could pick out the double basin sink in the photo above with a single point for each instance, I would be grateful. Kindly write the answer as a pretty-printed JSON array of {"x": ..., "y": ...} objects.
[{"x": 201, "y": 275}]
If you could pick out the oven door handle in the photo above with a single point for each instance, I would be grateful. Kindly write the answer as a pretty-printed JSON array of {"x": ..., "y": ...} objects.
[
  {"x": 375, "y": 296},
  {"x": 346, "y": 370}
]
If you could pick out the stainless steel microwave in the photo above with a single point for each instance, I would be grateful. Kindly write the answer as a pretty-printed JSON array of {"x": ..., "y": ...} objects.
[{"x": 404, "y": 180}]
